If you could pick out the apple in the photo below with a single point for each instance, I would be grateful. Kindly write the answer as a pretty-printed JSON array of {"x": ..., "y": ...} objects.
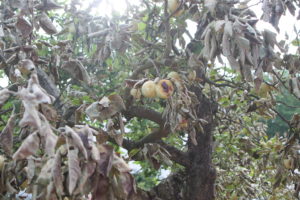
[
  {"x": 164, "y": 88},
  {"x": 136, "y": 93},
  {"x": 149, "y": 89}
]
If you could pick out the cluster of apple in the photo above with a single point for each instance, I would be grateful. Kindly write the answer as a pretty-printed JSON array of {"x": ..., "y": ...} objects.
[{"x": 163, "y": 88}]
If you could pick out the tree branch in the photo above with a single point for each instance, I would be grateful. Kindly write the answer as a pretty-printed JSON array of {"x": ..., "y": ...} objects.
[
  {"x": 145, "y": 113},
  {"x": 177, "y": 155}
]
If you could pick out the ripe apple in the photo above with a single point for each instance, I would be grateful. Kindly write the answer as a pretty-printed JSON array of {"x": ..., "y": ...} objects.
[
  {"x": 149, "y": 89},
  {"x": 136, "y": 93},
  {"x": 164, "y": 88}
]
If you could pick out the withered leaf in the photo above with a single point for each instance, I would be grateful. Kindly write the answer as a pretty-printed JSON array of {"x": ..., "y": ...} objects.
[
  {"x": 6, "y": 136},
  {"x": 28, "y": 147},
  {"x": 48, "y": 5},
  {"x": 87, "y": 171},
  {"x": 76, "y": 70},
  {"x": 119, "y": 164},
  {"x": 49, "y": 112},
  {"x": 105, "y": 164},
  {"x": 106, "y": 107},
  {"x": 211, "y": 5},
  {"x": 56, "y": 173},
  {"x": 30, "y": 169},
  {"x": 50, "y": 139},
  {"x": 47, "y": 24},
  {"x": 24, "y": 26},
  {"x": 74, "y": 139},
  {"x": 26, "y": 66},
  {"x": 45, "y": 174},
  {"x": 74, "y": 168}
]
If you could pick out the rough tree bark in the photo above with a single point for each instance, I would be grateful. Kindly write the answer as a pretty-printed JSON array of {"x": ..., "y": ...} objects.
[
  {"x": 201, "y": 174},
  {"x": 197, "y": 181}
]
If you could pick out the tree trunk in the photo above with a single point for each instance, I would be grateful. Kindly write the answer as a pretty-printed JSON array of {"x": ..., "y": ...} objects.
[
  {"x": 198, "y": 179},
  {"x": 201, "y": 174}
]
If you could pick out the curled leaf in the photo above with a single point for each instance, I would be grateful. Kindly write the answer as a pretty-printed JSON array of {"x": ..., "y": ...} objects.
[
  {"x": 57, "y": 175},
  {"x": 76, "y": 69},
  {"x": 24, "y": 26},
  {"x": 74, "y": 139},
  {"x": 74, "y": 168},
  {"x": 26, "y": 66},
  {"x": 28, "y": 147},
  {"x": 6, "y": 136},
  {"x": 47, "y": 24}
]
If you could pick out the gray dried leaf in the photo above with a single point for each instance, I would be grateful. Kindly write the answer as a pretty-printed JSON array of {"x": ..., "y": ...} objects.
[
  {"x": 87, "y": 171},
  {"x": 49, "y": 137},
  {"x": 76, "y": 69},
  {"x": 48, "y": 5},
  {"x": 6, "y": 136},
  {"x": 93, "y": 110},
  {"x": 226, "y": 44},
  {"x": 57, "y": 175},
  {"x": 233, "y": 63},
  {"x": 211, "y": 5},
  {"x": 74, "y": 168},
  {"x": 28, "y": 147},
  {"x": 1, "y": 31},
  {"x": 74, "y": 139},
  {"x": 228, "y": 29},
  {"x": 30, "y": 169},
  {"x": 47, "y": 24},
  {"x": 267, "y": 10},
  {"x": 24, "y": 26},
  {"x": 219, "y": 25},
  {"x": 26, "y": 66},
  {"x": 106, "y": 107},
  {"x": 45, "y": 174}
]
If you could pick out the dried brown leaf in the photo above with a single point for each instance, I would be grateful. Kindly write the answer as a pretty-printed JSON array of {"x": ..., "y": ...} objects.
[
  {"x": 45, "y": 174},
  {"x": 49, "y": 112},
  {"x": 47, "y": 24},
  {"x": 6, "y": 136},
  {"x": 26, "y": 66},
  {"x": 74, "y": 168},
  {"x": 74, "y": 139},
  {"x": 48, "y": 5},
  {"x": 57, "y": 175},
  {"x": 119, "y": 164},
  {"x": 106, "y": 154},
  {"x": 24, "y": 26},
  {"x": 76, "y": 70},
  {"x": 28, "y": 147}
]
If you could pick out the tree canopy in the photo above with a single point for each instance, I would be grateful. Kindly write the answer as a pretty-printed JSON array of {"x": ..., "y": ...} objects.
[{"x": 89, "y": 94}]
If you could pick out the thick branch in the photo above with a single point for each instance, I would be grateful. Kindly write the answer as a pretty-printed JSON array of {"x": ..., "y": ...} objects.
[
  {"x": 177, "y": 155},
  {"x": 150, "y": 138},
  {"x": 145, "y": 113}
]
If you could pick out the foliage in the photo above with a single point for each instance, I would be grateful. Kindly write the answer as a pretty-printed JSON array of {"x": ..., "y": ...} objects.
[{"x": 82, "y": 86}]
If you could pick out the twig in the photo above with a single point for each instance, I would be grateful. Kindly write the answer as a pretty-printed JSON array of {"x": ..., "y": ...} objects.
[{"x": 167, "y": 30}]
